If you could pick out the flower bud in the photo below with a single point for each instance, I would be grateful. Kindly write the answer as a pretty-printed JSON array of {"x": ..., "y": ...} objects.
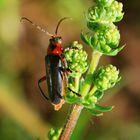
[
  {"x": 106, "y": 77},
  {"x": 105, "y": 14},
  {"x": 76, "y": 59},
  {"x": 105, "y": 41}
]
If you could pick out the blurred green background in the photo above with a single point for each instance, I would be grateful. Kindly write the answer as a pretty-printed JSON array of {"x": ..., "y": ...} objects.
[{"x": 24, "y": 115}]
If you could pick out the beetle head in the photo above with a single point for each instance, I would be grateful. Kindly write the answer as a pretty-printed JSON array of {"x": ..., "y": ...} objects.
[{"x": 56, "y": 39}]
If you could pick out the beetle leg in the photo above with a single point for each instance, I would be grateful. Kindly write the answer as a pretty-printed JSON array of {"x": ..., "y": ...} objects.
[
  {"x": 74, "y": 92},
  {"x": 64, "y": 71},
  {"x": 39, "y": 82},
  {"x": 61, "y": 70}
]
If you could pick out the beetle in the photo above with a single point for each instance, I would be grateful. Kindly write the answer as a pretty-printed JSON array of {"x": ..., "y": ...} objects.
[{"x": 55, "y": 67}]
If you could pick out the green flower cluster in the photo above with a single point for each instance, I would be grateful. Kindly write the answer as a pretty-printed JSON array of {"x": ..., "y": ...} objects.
[
  {"x": 105, "y": 12},
  {"x": 109, "y": 40},
  {"x": 100, "y": 18},
  {"x": 76, "y": 59},
  {"x": 54, "y": 134},
  {"x": 105, "y": 41},
  {"x": 104, "y": 2},
  {"x": 106, "y": 77}
]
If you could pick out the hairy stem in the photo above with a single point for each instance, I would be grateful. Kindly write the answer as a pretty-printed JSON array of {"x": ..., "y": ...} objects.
[
  {"x": 76, "y": 109},
  {"x": 71, "y": 122},
  {"x": 73, "y": 117}
]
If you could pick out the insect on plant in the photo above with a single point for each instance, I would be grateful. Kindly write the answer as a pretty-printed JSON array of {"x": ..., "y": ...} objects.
[
  {"x": 56, "y": 67},
  {"x": 69, "y": 69}
]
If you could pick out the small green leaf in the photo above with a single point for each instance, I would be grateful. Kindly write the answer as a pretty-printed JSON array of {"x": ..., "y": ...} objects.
[
  {"x": 99, "y": 94},
  {"x": 86, "y": 38},
  {"x": 97, "y": 26},
  {"x": 103, "y": 108},
  {"x": 95, "y": 113},
  {"x": 115, "y": 51},
  {"x": 71, "y": 97},
  {"x": 89, "y": 101}
]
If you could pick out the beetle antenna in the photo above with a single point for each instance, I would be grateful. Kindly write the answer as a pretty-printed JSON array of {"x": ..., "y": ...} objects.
[
  {"x": 37, "y": 26},
  {"x": 58, "y": 24}
]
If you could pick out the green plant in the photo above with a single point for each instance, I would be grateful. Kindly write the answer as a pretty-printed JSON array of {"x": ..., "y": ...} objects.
[{"x": 103, "y": 38}]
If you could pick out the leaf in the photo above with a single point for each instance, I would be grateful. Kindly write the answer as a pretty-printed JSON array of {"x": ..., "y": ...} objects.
[
  {"x": 92, "y": 42},
  {"x": 85, "y": 38},
  {"x": 115, "y": 51},
  {"x": 95, "y": 113},
  {"x": 99, "y": 94},
  {"x": 103, "y": 108},
  {"x": 72, "y": 100}
]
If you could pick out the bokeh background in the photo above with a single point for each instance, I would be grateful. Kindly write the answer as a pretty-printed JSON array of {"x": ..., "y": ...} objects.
[{"x": 24, "y": 115}]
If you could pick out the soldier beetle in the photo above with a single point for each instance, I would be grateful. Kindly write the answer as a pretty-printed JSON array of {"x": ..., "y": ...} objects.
[{"x": 55, "y": 67}]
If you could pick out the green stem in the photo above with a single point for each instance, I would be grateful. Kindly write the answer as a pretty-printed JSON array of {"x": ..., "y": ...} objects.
[
  {"x": 94, "y": 61},
  {"x": 77, "y": 78},
  {"x": 92, "y": 91},
  {"x": 88, "y": 80}
]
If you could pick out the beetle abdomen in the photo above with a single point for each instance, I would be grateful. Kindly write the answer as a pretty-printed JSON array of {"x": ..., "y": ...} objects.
[{"x": 54, "y": 78}]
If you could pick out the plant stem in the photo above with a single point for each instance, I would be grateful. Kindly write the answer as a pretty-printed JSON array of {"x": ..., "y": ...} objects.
[
  {"x": 71, "y": 122},
  {"x": 72, "y": 118},
  {"x": 76, "y": 109},
  {"x": 88, "y": 80},
  {"x": 77, "y": 78},
  {"x": 92, "y": 91}
]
